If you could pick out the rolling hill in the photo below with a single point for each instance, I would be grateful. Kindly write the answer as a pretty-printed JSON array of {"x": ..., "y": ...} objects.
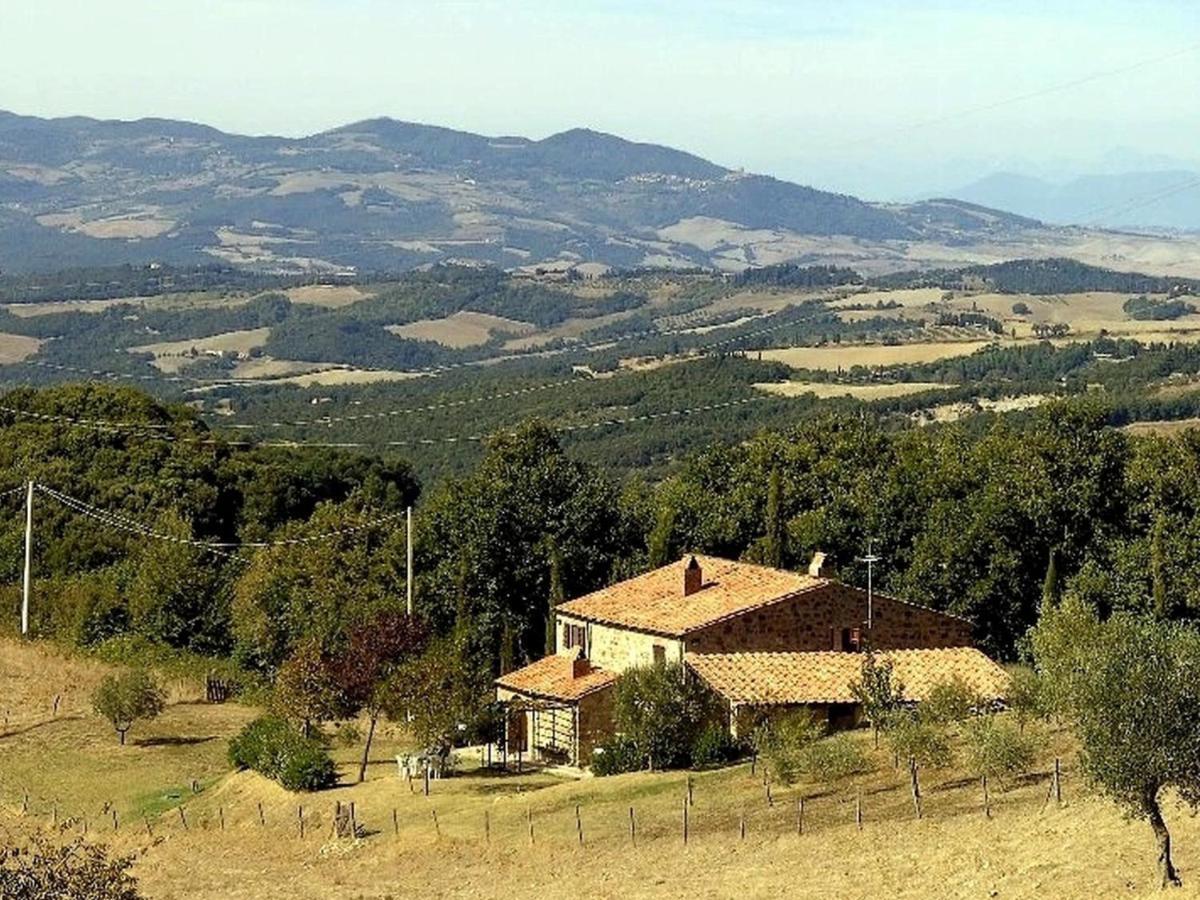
[{"x": 384, "y": 195}]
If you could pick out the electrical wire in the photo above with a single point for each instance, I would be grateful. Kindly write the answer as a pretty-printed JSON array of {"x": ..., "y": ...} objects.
[{"x": 119, "y": 521}]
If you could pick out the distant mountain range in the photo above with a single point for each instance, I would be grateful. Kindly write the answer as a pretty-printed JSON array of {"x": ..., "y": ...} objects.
[
  {"x": 384, "y": 195},
  {"x": 1154, "y": 199}
]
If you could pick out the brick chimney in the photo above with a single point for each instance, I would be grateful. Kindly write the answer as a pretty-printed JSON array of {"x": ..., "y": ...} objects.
[
  {"x": 580, "y": 667},
  {"x": 693, "y": 578}
]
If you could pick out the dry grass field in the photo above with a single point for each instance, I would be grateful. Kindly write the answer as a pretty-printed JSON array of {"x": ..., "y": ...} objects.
[
  {"x": 831, "y": 358},
  {"x": 462, "y": 329},
  {"x": 471, "y": 837},
  {"x": 16, "y": 347},
  {"x": 825, "y": 390},
  {"x": 330, "y": 296},
  {"x": 172, "y": 356}
]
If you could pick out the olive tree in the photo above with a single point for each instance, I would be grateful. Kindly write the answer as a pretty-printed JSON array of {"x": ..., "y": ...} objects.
[
  {"x": 879, "y": 692},
  {"x": 1130, "y": 686},
  {"x": 125, "y": 698}
]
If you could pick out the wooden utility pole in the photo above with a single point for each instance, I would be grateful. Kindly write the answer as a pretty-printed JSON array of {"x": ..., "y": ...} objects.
[{"x": 28, "y": 558}]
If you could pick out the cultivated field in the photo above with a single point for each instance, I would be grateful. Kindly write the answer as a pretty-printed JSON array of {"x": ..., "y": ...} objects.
[
  {"x": 171, "y": 356},
  {"x": 825, "y": 390},
  {"x": 462, "y": 329},
  {"x": 16, "y": 347},
  {"x": 831, "y": 358},
  {"x": 471, "y": 836}
]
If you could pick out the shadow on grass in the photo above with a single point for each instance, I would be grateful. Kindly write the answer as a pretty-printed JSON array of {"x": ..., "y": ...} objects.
[{"x": 171, "y": 741}]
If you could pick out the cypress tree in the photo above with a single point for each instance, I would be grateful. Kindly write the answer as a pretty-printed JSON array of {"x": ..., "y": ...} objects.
[
  {"x": 776, "y": 535},
  {"x": 659, "y": 542},
  {"x": 557, "y": 594},
  {"x": 1050, "y": 585}
]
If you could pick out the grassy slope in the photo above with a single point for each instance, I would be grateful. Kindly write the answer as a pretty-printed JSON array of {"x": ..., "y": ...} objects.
[{"x": 1084, "y": 849}]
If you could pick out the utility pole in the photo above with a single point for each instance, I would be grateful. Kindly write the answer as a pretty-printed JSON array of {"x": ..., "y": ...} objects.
[
  {"x": 28, "y": 558},
  {"x": 870, "y": 559},
  {"x": 408, "y": 572}
]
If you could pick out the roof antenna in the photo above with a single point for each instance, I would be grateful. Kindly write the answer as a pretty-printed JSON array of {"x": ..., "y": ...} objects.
[{"x": 870, "y": 559}]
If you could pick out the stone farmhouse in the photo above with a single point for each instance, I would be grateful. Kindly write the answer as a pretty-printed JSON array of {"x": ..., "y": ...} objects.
[{"x": 762, "y": 639}]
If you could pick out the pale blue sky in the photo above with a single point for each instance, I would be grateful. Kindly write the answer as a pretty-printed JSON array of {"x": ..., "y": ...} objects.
[{"x": 823, "y": 93}]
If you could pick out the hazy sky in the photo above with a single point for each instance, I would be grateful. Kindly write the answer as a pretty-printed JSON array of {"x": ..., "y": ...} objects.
[{"x": 849, "y": 94}]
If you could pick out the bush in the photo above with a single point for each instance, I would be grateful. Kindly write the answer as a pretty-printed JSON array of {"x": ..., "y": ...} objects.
[
  {"x": 127, "y": 697},
  {"x": 950, "y": 700},
  {"x": 1027, "y": 697},
  {"x": 662, "y": 712},
  {"x": 833, "y": 758},
  {"x": 78, "y": 870},
  {"x": 712, "y": 747},
  {"x": 1021, "y": 308},
  {"x": 913, "y": 737},
  {"x": 996, "y": 749},
  {"x": 784, "y": 742},
  {"x": 615, "y": 756},
  {"x": 274, "y": 748}
]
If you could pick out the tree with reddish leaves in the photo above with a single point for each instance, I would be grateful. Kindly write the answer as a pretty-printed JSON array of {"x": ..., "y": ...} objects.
[{"x": 373, "y": 650}]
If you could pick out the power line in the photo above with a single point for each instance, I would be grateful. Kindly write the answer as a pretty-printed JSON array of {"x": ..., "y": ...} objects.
[
  {"x": 1093, "y": 216},
  {"x": 123, "y": 523},
  {"x": 966, "y": 112}
]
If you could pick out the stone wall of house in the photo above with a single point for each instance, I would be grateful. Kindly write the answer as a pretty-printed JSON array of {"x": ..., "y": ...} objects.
[
  {"x": 817, "y": 620},
  {"x": 618, "y": 649},
  {"x": 595, "y": 722}
]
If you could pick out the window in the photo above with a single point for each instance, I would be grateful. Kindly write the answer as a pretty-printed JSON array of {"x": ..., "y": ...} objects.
[
  {"x": 660, "y": 655},
  {"x": 575, "y": 636},
  {"x": 851, "y": 640}
]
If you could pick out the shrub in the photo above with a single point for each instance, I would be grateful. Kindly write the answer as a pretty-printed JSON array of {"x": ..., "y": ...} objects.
[
  {"x": 274, "y": 748},
  {"x": 879, "y": 692},
  {"x": 1027, "y": 697},
  {"x": 950, "y": 700},
  {"x": 914, "y": 738},
  {"x": 127, "y": 697},
  {"x": 995, "y": 749},
  {"x": 783, "y": 743},
  {"x": 662, "y": 712},
  {"x": 41, "y": 870},
  {"x": 713, "y": 746},
  {"x": 615, "y": 756},
  {"x": 1021, "y": 308},
  {"x": 833, "y": 758}
]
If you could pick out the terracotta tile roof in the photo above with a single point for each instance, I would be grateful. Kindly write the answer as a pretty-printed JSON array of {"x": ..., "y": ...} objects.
[
  {"x": 825, "y": 677},
  {"x": 554, "y": 677},
  {"x": 655, "y": 601}
]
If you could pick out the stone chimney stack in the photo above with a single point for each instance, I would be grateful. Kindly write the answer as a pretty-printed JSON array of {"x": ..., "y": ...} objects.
[
  {"x": 580, "y": 666},
  {"x": 819, "y": 567},
  {"x": 693, "y": 578}
]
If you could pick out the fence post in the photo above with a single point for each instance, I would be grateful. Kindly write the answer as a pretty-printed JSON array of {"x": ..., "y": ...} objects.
[
  {"x": 149, "y": 830},
  {"x": 1057, "y": 781},
  {"x": 799, "y": 815},
  {"x": 529, "y": 819},
  {"x": 221, "y": 815},
  {"x": 690, "y": 795},
  {"x": 987, "y": 803},
  {"x": 114, "y": 818},
  {"x": 632, "y": 828},
  {"x": 685, "y": 821},
  {"x": 182, "y": 817},
  {"x": 742, "y": 824},
  {"x": 578, "y": 825},
  {"x": 437, "y": 829},
  {"x": 858, "y": 817},
  {"x": 915, "y": 784},
  {"x": 395, "y": 823},
  {"x": 300, "y": 820},
  {"x": 426, "y": 780},
  {"x": 262, "y": 820},
  {"x": 487, "y": 827}
]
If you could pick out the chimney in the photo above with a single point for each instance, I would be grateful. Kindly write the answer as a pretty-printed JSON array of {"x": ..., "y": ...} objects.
[
  {"x": 580, "y": 667},
  {"x": 693, "y": 578},
  {"x": 819, "y": 568}
]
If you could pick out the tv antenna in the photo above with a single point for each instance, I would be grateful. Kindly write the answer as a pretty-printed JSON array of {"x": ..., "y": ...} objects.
[{"x": 870, "y": 559}]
